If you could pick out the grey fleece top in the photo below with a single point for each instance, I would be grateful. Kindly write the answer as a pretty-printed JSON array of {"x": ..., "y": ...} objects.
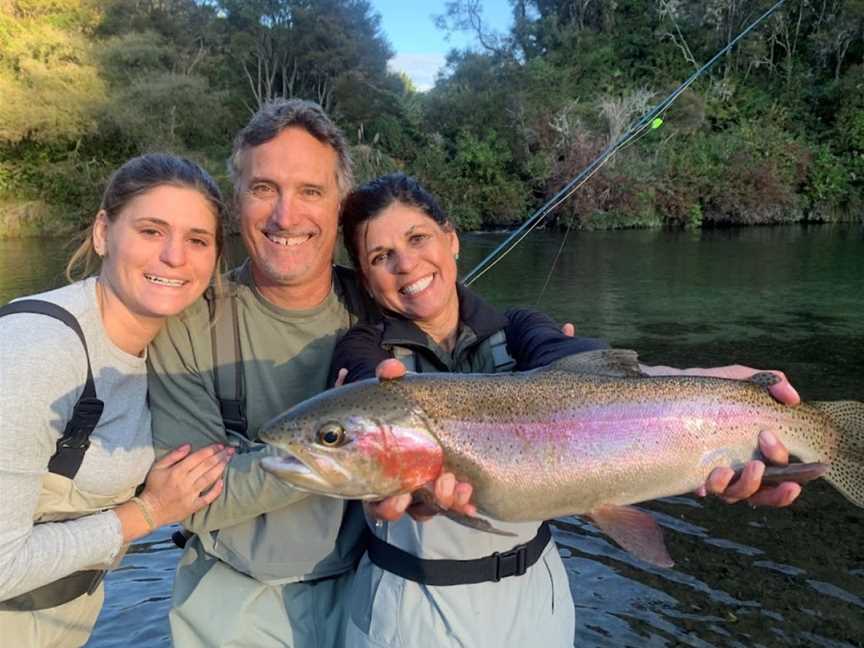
[{"x": 42, "y": 373}]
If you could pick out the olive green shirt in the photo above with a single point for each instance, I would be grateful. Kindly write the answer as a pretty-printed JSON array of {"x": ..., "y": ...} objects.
[{"x": 259, "y": 525}]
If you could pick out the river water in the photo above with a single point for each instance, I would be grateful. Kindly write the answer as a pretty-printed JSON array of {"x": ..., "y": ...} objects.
[{"x": 789, "y": 298}]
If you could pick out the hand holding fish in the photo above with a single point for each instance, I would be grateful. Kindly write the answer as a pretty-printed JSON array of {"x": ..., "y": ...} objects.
[
  {"x": 446, "y": 494},
  {"x": 722, "y": 482},
  {"x": 746, "y": 484},
  {"x": 449, "y": 494},
  {"x": 782, "y": 391}
]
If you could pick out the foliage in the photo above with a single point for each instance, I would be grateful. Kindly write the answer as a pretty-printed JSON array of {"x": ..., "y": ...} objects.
[
  {"x": 49, "y": 83},
  {"x": 774, "y": 133}
]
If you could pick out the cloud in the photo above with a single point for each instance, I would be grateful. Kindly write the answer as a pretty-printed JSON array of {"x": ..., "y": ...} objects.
[{"x": 421, "y": 68}]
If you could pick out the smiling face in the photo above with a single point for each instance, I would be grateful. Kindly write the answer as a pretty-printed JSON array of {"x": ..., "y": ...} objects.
[
  {"x": 409, "y": 265},
  {"x": 288, "y": 201},
  {"x": 159, "y": 253}
]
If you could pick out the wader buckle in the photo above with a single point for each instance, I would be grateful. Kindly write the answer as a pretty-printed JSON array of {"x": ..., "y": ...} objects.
[{"x": 511, "y": 563}]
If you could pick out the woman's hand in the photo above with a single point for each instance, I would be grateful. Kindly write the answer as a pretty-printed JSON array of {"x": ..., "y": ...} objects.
[
  {"x": 748, "y": 486},
  {"x": 783, "y": 391},
  {"x": 181, "y": 483},
  {"x": 340, "y": 377},
  {"x": 178, "y": 485}
]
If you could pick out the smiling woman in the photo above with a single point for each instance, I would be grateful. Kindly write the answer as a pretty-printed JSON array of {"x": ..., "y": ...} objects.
[
  {"x": 75, "y": 441},
  {"x": 158, "y": 257},
  {"x": 405, "y": 248}
]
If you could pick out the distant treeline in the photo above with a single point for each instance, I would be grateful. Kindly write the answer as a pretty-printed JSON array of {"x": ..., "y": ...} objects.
[{"x": 774, "y": 133}]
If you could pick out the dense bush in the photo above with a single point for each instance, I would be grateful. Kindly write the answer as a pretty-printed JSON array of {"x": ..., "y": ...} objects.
[{"x": 774, "y": 133}]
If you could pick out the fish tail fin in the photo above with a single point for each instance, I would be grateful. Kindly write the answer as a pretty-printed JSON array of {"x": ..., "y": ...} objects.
[{"x": 846, "y": 473}]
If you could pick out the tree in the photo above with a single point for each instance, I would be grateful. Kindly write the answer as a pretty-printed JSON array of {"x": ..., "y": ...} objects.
[{"x": 50, "y": 85}]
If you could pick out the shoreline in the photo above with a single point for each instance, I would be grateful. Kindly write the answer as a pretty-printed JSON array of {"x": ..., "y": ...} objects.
[{"x": 33, "y": 220}]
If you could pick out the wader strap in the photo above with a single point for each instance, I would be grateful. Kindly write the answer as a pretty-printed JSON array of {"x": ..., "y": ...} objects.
[
  {"x": 500, "y": 356},
  {"x": 75, "y": 440},
  {"x": 57, "y": 593},
  {"x": 228, "y": 372},
  {"x": 459, "y": 572},
  {"x": 406, "y": 356}
]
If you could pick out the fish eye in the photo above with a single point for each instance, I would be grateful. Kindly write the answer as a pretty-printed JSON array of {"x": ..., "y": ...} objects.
[{"x": 331, "y": 435}]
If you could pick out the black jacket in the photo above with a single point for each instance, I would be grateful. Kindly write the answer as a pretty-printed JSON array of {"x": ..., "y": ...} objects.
[{"x": 533, "y": 340}]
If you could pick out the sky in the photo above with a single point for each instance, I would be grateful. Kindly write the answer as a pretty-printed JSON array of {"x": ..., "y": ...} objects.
[{"x": 420, "y": 47}]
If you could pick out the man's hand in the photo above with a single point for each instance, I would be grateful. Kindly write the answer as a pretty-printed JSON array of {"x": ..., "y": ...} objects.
[{"x": 783, "y": 391}]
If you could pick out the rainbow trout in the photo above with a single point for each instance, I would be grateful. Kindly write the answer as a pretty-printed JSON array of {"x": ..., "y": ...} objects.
[{"x": 588, "y": 435}]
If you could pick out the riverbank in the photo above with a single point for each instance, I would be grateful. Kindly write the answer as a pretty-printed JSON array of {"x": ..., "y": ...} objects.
[
  {"x": 37, "y": 219},
  {"x": 32, "y": 219}
]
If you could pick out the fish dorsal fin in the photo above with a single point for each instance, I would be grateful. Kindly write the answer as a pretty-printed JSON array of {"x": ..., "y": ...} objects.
[
  {"x": 635, "y": 530},
  {"x": 619, "y": 363}
]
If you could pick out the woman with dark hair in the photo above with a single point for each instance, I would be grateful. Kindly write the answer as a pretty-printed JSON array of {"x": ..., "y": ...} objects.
[
  {"x": 75, "y": 442},
  {"x": 405, "y": 249},
  {"x": 440, "y": 583}
]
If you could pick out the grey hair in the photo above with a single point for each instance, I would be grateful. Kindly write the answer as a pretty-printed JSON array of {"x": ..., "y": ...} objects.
[{"x": 276, "y": 116}]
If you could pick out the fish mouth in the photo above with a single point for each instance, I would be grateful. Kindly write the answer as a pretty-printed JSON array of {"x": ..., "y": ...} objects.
[
  {"x": 320, "y": 475},
  {"x": 293, "y": 470}
]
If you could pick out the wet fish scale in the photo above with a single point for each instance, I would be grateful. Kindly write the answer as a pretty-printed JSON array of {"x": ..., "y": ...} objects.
[{"x": 597, "y": 439}]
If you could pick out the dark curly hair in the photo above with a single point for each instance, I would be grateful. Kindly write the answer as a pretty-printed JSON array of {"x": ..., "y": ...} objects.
[{"x": 370, "y": 199}]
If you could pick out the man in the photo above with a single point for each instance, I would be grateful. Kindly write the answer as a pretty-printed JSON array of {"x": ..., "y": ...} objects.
[{"x": 268, "y": 565}]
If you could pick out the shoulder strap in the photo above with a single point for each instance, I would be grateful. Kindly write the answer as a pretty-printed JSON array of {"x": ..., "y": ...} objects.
[
  {"x": 85, "y": 416},
  {"x": 227, "y": 360},
  {"x": 407, "y": 357},
  {"x": 500, "y": 356}
]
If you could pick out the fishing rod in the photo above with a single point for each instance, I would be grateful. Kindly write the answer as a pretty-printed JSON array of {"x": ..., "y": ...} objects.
[{"x": 649, "y": 121}]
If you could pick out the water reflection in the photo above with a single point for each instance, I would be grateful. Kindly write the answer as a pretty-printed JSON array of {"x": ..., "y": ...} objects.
[{"x": 29, "y": 266}]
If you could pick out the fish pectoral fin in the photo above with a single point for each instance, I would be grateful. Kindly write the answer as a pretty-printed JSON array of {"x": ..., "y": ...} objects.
[
  {"x": 616, "y": 363},
  {"x": 635, "y": 530},
  {"x": 426, "y": 499},
  {"x": 800, "y": 473},
  {"x": 481, "y": 524}
]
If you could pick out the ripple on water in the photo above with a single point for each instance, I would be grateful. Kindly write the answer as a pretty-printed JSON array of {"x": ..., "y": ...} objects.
[{"x": 832, "y": 590}]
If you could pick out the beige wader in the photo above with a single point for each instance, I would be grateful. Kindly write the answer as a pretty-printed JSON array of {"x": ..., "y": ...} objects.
[
  {"x": 68, "y": 625},
  {"x": 304, "y": 614}
]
